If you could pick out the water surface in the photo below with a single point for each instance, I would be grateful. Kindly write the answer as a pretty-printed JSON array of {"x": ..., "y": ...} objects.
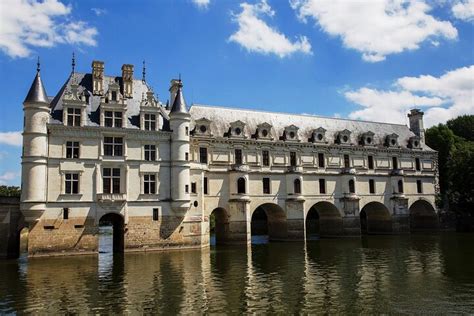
[{"x": 384, "y": 274}]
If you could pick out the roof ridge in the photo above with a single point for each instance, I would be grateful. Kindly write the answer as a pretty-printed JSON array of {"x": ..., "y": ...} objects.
[{"x": 289, "y": 113}]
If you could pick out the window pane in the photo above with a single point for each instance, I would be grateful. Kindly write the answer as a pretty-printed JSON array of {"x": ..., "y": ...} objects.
[
  {"x": 116, "y": 172},
  {"x": 116, "y": 185},
  {"x": 68, "y": 187},
  {"x": 75, "y": 187}
]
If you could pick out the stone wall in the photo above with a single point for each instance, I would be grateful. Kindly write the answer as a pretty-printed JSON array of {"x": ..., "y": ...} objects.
[{"x": 11, "y": 223}]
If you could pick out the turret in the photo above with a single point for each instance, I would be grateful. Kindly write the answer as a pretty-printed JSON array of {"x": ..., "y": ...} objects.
[
  {"x": 179, "y": 124},
  {"x": 416, "y": 123},
  {"x": 35, "y": 149}
]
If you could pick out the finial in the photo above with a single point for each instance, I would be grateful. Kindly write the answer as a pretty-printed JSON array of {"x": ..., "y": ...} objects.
[
  {"x": 38, "y": 65},
  {"x": 144, "y": 71},
  {"x": 73, "y": 63},
  {"x": 179, "y": 76}
]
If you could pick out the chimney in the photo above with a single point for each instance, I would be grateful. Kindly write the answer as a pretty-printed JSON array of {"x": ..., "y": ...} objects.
[
  {"x": 416, "y": 123},
  {"x": 98, "y": 77},
  {"x": 127, "y": 78},
  {"x": 174, "y": 85}
]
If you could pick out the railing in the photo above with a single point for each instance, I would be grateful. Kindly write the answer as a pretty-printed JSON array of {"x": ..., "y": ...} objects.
[
  {"x": 239, "y": 167},
  {"x": 348, "y": 171},
  {"x": 296, "y": 169},
  {"x": 397, "y": 172},
  {"x": 111, "y": 197}
]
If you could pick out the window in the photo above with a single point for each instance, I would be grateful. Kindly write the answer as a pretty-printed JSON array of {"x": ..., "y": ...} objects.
[
  {"x": 347, "y": 161},
  {"x": 241, "y": 186},
  {"x": 114, "y": 95},
  {"x": 113, "y": 119},
  {"x": 238, "y": 156},
  {"x": 419, "y": 186},
  {"x": 150, "y": 122},
  {"x": 266, "y": 185},
  {"x": 186, "y": 188},
  {"x": 111, "y": 180},
  {"x": 193, "y": 187},
  {"x": 265, "y": 158},
  {"x": 72, "y": 149},
  {"x": 400, "y": 186},
  {"x": 155, "y": 214},
  {"x": 149, "y": 184},
  {"x": 72, "y": 183},
  {"x": 65, "y": 213},
  {"x": 73, "y": 117},
  {"x": 186, "y": 131},
  {"x": 370, "y": 161},
  {"x": 417, "y": 164},
  {"x": 150, "y": 152},
  {"x": 322, "y": 186},
  {"x": 297, "y": 186},
  {"x": 293, "y": 158},
  {"x": 113, "y": 146},
  {"x": 321, "y": 163},
  {"x": 205, "y": 186},
  {"x": 394, "y": 163},
  {"x": 186, "y": 156},
  {"x": 351, "y": 186},
  {"x": 202, "y": 154},
  {"x": 371, "y": 186}
]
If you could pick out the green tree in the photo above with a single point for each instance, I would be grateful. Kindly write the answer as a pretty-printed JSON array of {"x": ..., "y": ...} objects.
[
  {"x": 9, "y": 190},
  {"x": 461, "y": 177},
  {"x": 463, "y": 126}
]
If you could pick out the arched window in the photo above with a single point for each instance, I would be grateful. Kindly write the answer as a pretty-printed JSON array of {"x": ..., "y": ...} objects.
[
  {"x": 241, "y": 186},
  {"x": 400, "y": 186},
  {"x": 297, "y": 186},
  {"x": 351, "y": 186}
]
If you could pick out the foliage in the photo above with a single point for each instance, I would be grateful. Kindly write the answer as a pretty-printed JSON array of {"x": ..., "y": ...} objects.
[
  {"x": 9, "y": 191},
  {"x": 455, "y": 145}
]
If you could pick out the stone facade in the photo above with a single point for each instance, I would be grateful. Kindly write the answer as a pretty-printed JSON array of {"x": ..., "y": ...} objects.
[{"x": 105, "y": 149}]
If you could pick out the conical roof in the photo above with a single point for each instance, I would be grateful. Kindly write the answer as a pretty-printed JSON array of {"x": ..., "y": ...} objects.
[
  {"x": 179, "y": 106},
  {"x": 37, "y": 92}
]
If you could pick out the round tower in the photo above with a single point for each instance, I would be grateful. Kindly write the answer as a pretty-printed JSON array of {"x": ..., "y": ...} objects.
[
  {"x": 179, "y": 124},
  {"x": 35, "y": 150}
]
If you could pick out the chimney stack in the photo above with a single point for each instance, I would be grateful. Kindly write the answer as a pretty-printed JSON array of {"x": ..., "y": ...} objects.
[
  {"x": 127, "y": 78},
  {"x": 98, "y": 77},
  {"x": 416, "y": 123}
]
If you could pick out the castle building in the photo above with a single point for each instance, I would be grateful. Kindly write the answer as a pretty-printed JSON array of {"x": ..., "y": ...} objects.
[{"x": 106, "y": 150}]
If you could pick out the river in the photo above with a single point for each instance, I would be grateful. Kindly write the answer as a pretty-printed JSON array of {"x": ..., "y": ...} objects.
[{"x": 411, "y": 274}]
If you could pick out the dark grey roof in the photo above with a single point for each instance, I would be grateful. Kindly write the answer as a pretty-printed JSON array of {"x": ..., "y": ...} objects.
[
  {"x": 84, "y": 82},
  {"x": 179, "y": 105},
  {"x": 221, "y": 117},
  {"x": 37, "y": 92}
]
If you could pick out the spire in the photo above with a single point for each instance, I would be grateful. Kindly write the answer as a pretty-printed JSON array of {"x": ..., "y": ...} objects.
[
  {"x": 143, "y": 72},
  {"x": 73, "y": 64},
  {"x": 179, "y": 106},
  {"x": 37, "y": 93}
]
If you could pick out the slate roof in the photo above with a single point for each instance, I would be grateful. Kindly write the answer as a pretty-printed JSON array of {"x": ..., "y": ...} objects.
[
  {"x": 93, "y": 118},
  {"x": 221, "y": 117},
  {"x": 37, "y": 93}
]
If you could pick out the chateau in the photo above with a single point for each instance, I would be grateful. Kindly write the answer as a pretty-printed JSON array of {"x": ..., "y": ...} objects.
[{"x": 106, "y": 150}]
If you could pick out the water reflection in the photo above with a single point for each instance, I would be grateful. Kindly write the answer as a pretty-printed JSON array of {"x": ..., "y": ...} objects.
[{"x": 390, "y": 274}]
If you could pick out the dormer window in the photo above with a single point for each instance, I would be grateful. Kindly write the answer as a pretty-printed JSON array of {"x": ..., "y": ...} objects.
[
  {"x": 263, "y": 131},
  {"x": 344, "y": 137},
  {"x": 73, "y": 117},
  {"x": 203, "y": 127},
  {"x": 113, "y": 119},
  {"x": 367, "y": 139},
  {"x": 237, "y": 129},
  {"x": 291, "y": 133},
  {"x": 150, "y": 122},
  {"x": 114, "y": 96},
  {"x": 318, "y": 135},
  {"x": 391, "y": 140},
  {"x": 414, "y": 142}
]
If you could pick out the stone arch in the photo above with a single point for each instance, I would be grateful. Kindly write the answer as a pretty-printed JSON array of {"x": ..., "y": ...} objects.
[
  {"x": 23, "y": 239},
  {"x": 423, "y": 216},
  {"x": 219, "y": 226},
  {"x": 269, "y": 219},
  {"x": 118, "y": 229},
  {"x": 375, "y": 218},
  {"x": 323, "y": 219}
]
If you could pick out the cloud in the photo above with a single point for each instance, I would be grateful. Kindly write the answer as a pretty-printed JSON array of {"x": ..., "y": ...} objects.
[
  {"x": 99, "y": 11},
  {"x": 464, "y": 10},
  {"x": 202, "y": 4},
  {"x": 25, "y": 24},
  {"x": 255, "y": 35},
  {"x": 8, "y": 176},
  {"x": 375, "y": 28},
  {"x": 441, "y": 98},
  {"x": 11, "y": 138}
]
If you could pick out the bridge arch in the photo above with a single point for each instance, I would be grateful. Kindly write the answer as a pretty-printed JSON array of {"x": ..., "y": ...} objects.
[
  {"x": 423, "y": 216},
  {"x": 269, "y": 220},
  {"x": 375, "y": 218},
  {"x": 323, "y": 219},
  {"x": 219, "y": 226},
  {"x": 118, "y": 231}
]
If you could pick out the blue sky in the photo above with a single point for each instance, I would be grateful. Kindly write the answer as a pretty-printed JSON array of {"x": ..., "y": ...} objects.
[{"x": 370, "y": 60}]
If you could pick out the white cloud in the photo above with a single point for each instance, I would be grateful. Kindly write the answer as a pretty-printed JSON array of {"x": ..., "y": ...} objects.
[
  {"x": 441, "y": 98},
  {"x": 11, "y": 138},
  {"x": 202, "y": 4},
  {"x": 464, "y": 10},
  {"x": 99, "y": 11},
  {"x": 25, "y": 24},
  {"x": 376, "y": 28},
  {"x": 255, "y": 35},
  {"x": 8, "y": 176}
]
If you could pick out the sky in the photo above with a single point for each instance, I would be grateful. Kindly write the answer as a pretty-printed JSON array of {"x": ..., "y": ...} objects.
[{"x": 362, "y": 59}]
